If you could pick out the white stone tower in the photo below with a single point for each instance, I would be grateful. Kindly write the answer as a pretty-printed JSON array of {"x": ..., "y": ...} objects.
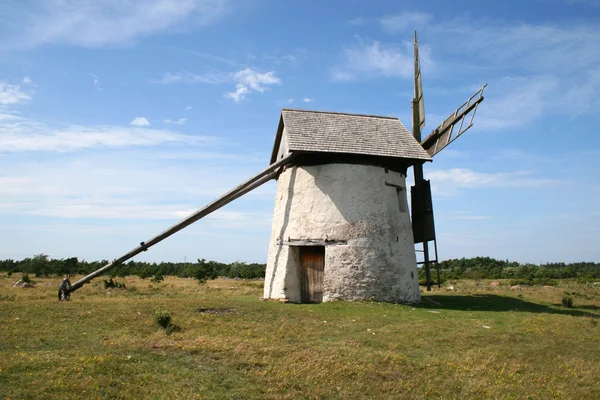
[{"x": 341, "y": 227}]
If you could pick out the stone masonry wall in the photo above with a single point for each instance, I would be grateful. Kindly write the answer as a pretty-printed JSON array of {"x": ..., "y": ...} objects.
[{"x": 361, "y": 213}]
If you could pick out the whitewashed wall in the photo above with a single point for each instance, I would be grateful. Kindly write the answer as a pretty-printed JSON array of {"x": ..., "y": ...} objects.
[{"x": 369, "y": 252}]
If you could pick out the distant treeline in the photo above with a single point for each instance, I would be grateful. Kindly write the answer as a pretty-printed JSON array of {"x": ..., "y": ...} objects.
[
  {"x": 464, "y": 268},
  {"x": 41, "y": 265},
  {"x": 490, "y": 268}
]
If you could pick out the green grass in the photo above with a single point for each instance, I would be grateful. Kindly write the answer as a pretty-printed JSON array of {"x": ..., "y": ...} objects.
[{"x": 231, "y": 345}]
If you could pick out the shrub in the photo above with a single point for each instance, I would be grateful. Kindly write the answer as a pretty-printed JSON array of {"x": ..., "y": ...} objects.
[
  {"x": 163, "y": 319},
  {"x": 514, "y": 282},
  {"x": 113, "y": 284},
  {"x": 567, "y": 300},
  {"x": 545, "y": 281},
  {"x": 158, "y": 278},
  {"x": 25, "y": 278}
]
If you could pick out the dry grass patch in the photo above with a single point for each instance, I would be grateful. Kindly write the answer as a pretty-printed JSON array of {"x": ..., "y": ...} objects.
[{"x": 482, "y": 341}]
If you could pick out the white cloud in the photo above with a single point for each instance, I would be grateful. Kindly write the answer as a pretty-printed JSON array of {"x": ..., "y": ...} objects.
[
  {"x": 515, "y": 101},
  {"x": 307, "y": 100},
  {"x": 251, "y": 80},
  {"x": 140, "y": 121},
  {"x": 533, "y": 70},
  {"x": 558, "y": 69},
  {"x": 96, "y": 82},
  {"x": 123, "y": 184},
  {"x": 537, "y": 48},
  {"x": 107, "y": 22},
  {"x": 247, "y": 80},
  {"x": 179, "y": 121},
  {"x": 377, "y": 59},
  {"x": 188, "y": 108},
  {"x": 446, "y": 182},
  {"x": 18, "y": 134},
  {"x": 255, "y": 80},
  {"x": 7, "y": 116},
  {"x": 12, "y": 94},
  {"x": 240, "y": 93},
  {"x": 27, "y": 81},
  {"x": 405, "y": 21}
]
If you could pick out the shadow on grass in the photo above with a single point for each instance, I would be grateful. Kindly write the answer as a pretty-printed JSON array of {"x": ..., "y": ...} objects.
[
  {"x": 595, "y": 308},
  {"x": 491, "y": 302}
]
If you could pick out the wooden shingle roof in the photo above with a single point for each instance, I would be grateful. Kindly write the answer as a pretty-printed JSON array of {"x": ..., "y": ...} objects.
[{"x": 330, "y": 132}]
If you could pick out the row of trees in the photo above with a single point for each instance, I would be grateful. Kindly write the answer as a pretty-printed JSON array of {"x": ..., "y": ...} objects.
[
  {"x": 464, "y": 268},
  {"x": 42, "y": 265},
  {"x": 490, "y": 268}
]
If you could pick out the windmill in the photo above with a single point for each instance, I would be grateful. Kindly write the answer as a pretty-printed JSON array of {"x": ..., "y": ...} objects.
[
  {"x": 341, "y": 227},
  {"x": 421, "y": 201}
]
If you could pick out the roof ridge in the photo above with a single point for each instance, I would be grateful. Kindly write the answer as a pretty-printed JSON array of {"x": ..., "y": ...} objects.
[{"x": 338, "y": 113}]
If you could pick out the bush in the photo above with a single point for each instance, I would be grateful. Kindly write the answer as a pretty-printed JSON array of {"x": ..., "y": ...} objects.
[
  {"x": 157, "y": 278},
  {"x": 113, "y": 284},
  {"x": 545, "y": 282},
  {"x": 514, "y": 282},
  {"x": 163, "y": 319},
  {"x": 25, "y": 278},
  {"x": 567, "y": 300}
]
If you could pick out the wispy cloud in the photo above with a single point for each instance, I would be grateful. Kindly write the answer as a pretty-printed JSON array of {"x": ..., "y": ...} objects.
[
  {"x": 179, "y": 121},
  {"x": 211, "y": 78},
  {"x": 533, "y": 70},
  {"x": 256, "y": 80},
  {"x": 368, "y": 60},
  {"x": 239, "y": 94},
  {"x": 106, "y": 22},
  {"x": 139, "y": 121},
  {"x": 96, "y": 82},
  {"x": 19, "y": 134},
  {"x": 12, "y": 94},
  {"x": 515, "y": 101},
  {"x": 246, "y": 81},
  {"x": 121, "y": 184},
  {"x": 307, "y": 100},
  {"x": 448, "y": 181}
]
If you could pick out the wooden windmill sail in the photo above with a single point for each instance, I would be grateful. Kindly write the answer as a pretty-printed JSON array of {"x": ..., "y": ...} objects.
[{"x": 421, "y": 201}]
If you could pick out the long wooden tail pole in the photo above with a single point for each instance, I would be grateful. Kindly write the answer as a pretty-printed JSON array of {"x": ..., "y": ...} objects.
[{"x": 251, "y": 184}]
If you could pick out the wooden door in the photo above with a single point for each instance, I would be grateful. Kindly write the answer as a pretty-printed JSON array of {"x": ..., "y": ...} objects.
[{"x": 312, "y": 264}]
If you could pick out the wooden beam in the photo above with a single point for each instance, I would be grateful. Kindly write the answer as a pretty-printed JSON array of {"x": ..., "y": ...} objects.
[{"x": 251, "y": 184}]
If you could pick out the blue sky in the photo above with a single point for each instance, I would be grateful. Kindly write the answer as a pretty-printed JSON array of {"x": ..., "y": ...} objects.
[{"x": 118, "y": 118}]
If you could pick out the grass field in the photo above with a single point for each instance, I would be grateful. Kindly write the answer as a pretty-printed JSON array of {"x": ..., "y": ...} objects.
[{"x": 476, "y": 341}]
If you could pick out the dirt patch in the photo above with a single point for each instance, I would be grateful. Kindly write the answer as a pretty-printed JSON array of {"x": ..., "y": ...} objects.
[{"x": 217, "y": 311}]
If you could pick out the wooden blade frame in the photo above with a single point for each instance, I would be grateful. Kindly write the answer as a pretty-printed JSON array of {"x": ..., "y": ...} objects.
[
  {"x": 418, "y": 102},
  {"x": 422, "y": 206},
  {"x": 444, "y": 134}
]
